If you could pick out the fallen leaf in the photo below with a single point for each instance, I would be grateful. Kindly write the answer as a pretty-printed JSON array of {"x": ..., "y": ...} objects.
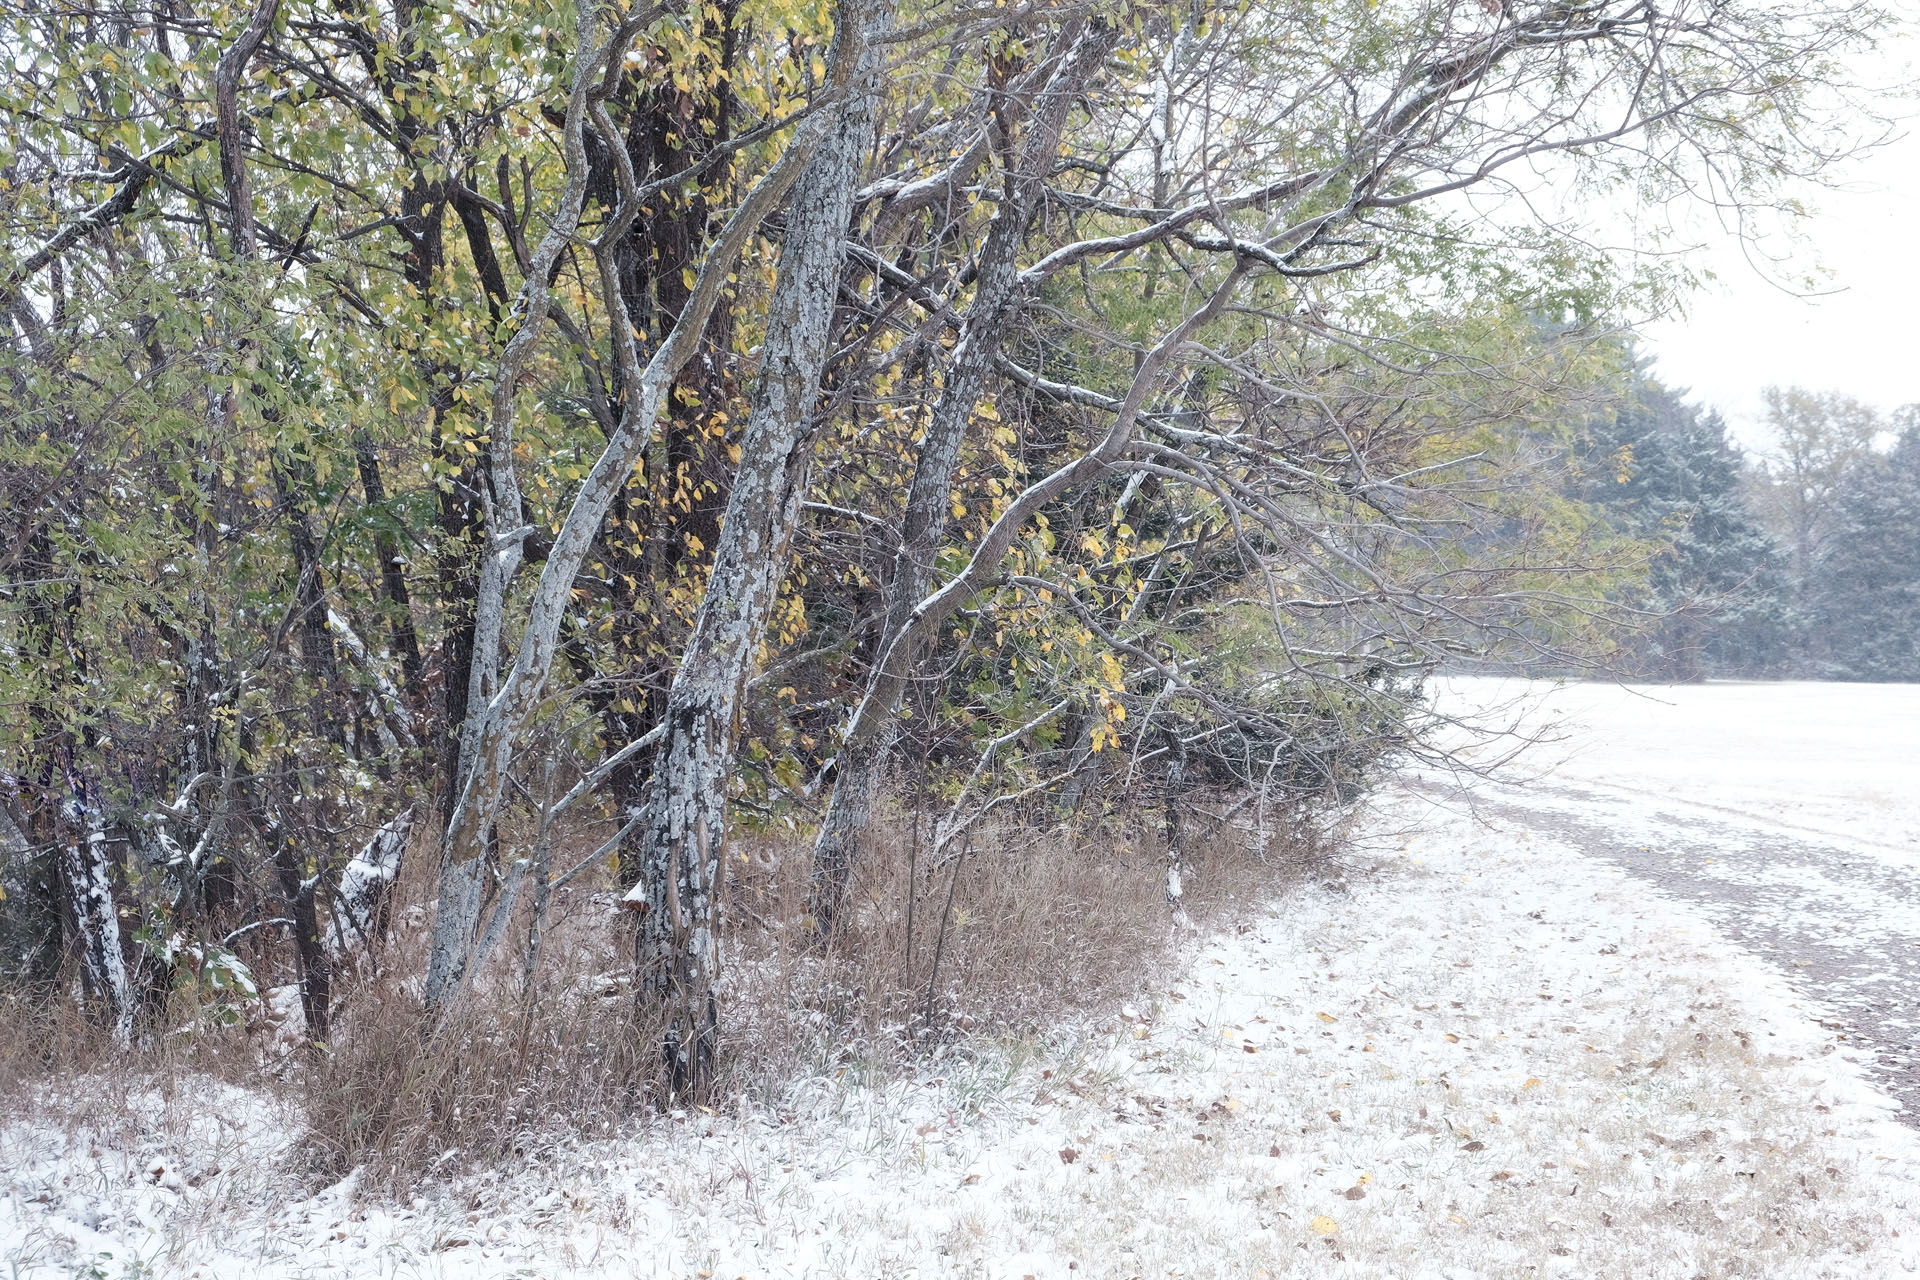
[
  {"x": 1531, "y": 1083},
  {"x": 1274, "y": 1150},
  {"x": 1334, "y": 1116},
  {"x": 1503, "y": 1175},
  {"x": 1475, "y": 1145},
  {"x": 1322, "y": 1225},
  {"x": 1452, "y": 1038},
  {"x": 1326, "y": 1017},
  {"x": 1068, "y": 1155},
  {"x": 1355, "y": 1193}
]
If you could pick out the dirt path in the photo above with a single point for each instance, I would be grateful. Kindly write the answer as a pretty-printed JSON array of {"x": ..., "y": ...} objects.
[{"x": 1835, "y": 916}]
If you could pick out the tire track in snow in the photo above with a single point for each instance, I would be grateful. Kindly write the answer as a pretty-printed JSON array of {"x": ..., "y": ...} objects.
[{"x": 1841, "y": 925}]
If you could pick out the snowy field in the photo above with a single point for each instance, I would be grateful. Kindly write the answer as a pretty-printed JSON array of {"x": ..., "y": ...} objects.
[
  {"x": 1787, "y": 815},
  {"x": 1839, "y": 761},
  {"x": 1474, "y": 1051}
]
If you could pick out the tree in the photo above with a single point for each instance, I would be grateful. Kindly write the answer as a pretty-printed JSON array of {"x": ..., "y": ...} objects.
[
  {"x": 1818, "y": 438},
  {"x": 1865, "y": 591},
  {"x": 1665, "y": 473},
  {"x": 714, "y": 403},
  {"x": 1332, "y": 189}
]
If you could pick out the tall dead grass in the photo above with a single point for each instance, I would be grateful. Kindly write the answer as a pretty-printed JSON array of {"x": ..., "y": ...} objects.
[
  {"x": 1000, "y": 937},
  {"x": 1003, "y": 937}
]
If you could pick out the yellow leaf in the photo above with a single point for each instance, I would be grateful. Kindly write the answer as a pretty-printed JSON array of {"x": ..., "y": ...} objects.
[
  {"x": 1531, "y": 1084},
  {"x": 1326, "y": 1017},
  {"x": 1322, "y": 1225}
]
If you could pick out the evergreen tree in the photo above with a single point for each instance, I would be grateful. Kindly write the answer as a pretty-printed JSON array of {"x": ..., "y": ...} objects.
[
  {"x": 1866, "y": 589},
  {"x": 1664, "y": 471}
]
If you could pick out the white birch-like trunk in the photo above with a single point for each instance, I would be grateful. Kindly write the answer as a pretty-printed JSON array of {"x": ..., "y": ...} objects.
[
  {"x": 97, "y": 921},
  {"x": 1176, "y": 786},
  {"x": 360, "y": 901}
]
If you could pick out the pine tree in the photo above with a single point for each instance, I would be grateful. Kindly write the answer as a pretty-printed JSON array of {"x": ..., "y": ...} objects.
[
  {"x": 1664, "y": 471},
  {"x": 1866, "y": 590}
]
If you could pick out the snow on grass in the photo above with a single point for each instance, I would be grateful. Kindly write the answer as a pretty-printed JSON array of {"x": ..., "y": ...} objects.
[
  {"x": 1838, "y": 760},
  {"x": 102, "y": 1176},
  {"x": 1473, "y": 1054}
]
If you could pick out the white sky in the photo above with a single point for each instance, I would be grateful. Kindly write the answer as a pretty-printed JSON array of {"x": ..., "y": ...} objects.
[{"x": 1743, "y": 332}]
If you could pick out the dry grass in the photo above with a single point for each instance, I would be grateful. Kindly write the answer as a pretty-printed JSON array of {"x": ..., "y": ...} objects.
[
  {"x": 1370, "y": 1079},
  {"x": 999, "y": 940},
  {"x": 1026, "y": 924}
]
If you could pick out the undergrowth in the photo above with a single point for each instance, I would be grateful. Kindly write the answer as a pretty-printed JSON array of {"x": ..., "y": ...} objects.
[{"x": 999, "y": 939}]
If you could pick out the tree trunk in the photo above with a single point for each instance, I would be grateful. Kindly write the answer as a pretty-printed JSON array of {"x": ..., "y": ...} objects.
[
  {"x": 393, "y": 576},
  {"x": 63, "y": 812},
  {"x": 96, "y": 923},
  {"x": 684, "y": 827},
  {"x": 503, "y": 706},
  {"x": 301, "y": 895},
  {"x": 663, "y": 527},
  {"x": 1176, "y": 785},
  {"x": 997, "y": 301}
]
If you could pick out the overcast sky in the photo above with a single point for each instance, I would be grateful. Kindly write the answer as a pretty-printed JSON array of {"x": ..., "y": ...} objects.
[{"x": 1743, "y": 331}]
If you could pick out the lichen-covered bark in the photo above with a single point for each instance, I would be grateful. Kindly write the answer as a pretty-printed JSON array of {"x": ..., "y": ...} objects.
[
  {"x": 502, "y": 703},
  {"x": 997, "y": 300},
  {"x": 684, "y": 827}
]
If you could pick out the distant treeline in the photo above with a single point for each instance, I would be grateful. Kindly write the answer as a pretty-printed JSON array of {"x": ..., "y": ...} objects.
[{"x": 1801, "y": 561}]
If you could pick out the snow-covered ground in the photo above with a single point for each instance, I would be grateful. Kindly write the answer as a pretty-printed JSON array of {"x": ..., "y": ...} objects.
[
  {"x": 1841, "y": 761},
  {"x": 1472, "y": 1051},
  {"x": 1787, "y": 815}
]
